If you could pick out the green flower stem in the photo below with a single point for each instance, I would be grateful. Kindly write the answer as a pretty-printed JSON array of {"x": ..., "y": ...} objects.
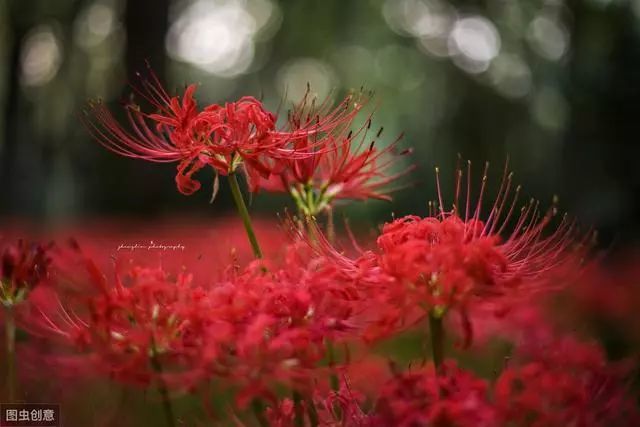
[
  {"x": 331, "y": 229},
  {"x": 244, "y": 214},
  {"x": 298, "y": 409},
  {"x": 258, "y": 410},
  {"x": 162, "y": 388},
  {"x": 10, "y": 333},
  {"x": 437, "y": 339},
  {"x": 331, "y": 356},
  {"x": 311, "y": 224},
  {"x": 313, "y": 414}
]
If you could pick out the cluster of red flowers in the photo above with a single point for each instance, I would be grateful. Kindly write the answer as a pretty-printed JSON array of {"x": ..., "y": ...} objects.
[
  {"x": 313, "y": 144},
  {"x": 570, "y": 384},
  {"x": 291, "y": 334},
  {"x": 253, "y": 327}
]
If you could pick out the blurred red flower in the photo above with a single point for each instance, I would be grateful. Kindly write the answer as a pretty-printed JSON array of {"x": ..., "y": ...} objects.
[
  {"x": 23, "y": 266},
  {"x": 456, "y": 398},
  {"x": 564, "y": 383}
]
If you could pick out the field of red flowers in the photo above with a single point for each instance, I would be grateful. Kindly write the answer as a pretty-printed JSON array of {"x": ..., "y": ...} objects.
[{"x": 493, "y": 309}]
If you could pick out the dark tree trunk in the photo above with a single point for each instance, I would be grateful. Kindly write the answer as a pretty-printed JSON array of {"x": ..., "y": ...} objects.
[
  {"x": 15, "y": 129},
  {"x": 135, "y": 186},
  {"x": 146, "y": 24},
  {"x": 601, "y": 156}
]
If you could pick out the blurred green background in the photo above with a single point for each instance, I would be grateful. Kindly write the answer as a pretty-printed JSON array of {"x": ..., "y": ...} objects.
[{"x": 553, "y": 84}]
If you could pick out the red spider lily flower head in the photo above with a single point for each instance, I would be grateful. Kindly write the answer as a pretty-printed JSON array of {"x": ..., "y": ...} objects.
[
  {"x": 346, "y": 165},
  {"x": 455, "y": 398},
  {"x": 287, "y": 316},
  {"x": 311, "y": 130},
  {"x": 131, "y": 327},
  {"x": 251, "y": 327},
  {"x": 237, "y": 133},
  {"x": 343, "y": 407},
  {"x": 324, "y": 408},
  {"x": 371, "y": 287},
  {"x": 566, "y": 383},
  {"x": 23, "y": 266},
  {"x": 179, "y": 132},
  {"x": 452, "y": 257},
  {"x": 282, "y": 414},
  {"x": 241, "y": 133}
]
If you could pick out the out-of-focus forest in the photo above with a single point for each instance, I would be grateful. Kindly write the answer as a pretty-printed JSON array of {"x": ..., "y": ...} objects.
[{"x": 552, "y": 84}]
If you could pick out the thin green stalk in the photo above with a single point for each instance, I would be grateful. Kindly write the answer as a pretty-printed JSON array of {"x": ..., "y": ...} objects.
[
  {"x": 331, "y": 356},
  {"x": 162, "y": 388},
  {"x": 10, "y": 332},
  {"x": 244, "y": 214},
  {"x": 298, "y": 409},
  {"x": 437, "y": 340},
  {"x": 258, "y": 410},
  {"x": 331, "y": 229},
  {"x": 312, "y": 233},
  {"x": 313, "y": 414},
  {"x": 114, "y": 417}
]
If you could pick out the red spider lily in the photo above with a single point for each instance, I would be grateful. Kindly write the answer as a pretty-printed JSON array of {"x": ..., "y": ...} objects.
[
  {"x": 371, "y": 285},
  {"x": 23, "y": 266},
  {"x": 342, "y": 407},
  {"x": 454, "y": 398},
  {"x": 551, "y": 378},
  {"x": 451, "y": 257},
  {"x": 326, "y": 409},
  {"x": 287, "y": 316},
  {"x": 252, "y": 327},
  {"x": 130, "y": 327},
  {"x": 367, "y": 281},
  {"x": 345, "y": 166},
  {"x": 281, "y": 414},
  {"x": 223, "y": 137},
  {"x": 565, "y": 383}
]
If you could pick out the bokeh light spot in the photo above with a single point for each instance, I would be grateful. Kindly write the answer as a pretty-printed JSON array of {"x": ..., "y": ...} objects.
[
  {"x": 40, "y": 57},
  {"x": 510, "y": 75},
  {"x": 473, "y": 43},
  {"x": 550, "y": 109},
  {"x": 217, "y": 36},
  {"x": 548, "y": 38},
  {"x": 95, "y": 24}
]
